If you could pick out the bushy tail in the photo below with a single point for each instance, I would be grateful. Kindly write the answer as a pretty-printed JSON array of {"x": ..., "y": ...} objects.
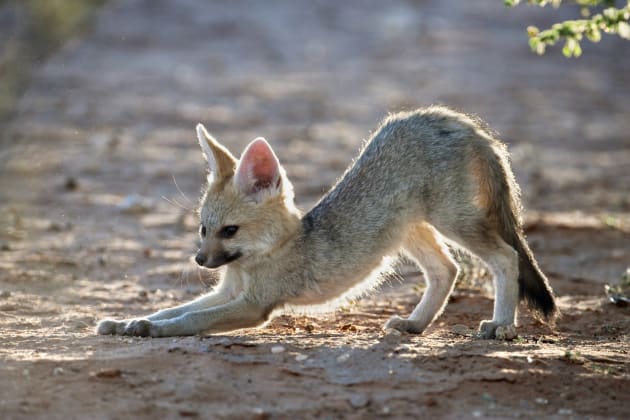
[{"x": 534, "y": 287}]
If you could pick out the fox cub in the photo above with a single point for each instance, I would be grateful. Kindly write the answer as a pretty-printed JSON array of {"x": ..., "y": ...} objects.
[{"x": 425, "y": 179}]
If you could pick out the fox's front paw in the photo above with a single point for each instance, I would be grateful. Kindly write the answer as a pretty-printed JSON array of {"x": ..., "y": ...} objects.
[
  {"x": 110, "y": 326},
  {"x": 403, "y": 325},
  {"x": 139, "y": 328},
  {"x": 489, "y": 330}
]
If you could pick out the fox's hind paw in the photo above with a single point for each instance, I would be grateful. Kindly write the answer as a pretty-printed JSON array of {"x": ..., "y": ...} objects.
[
  {"x": 403, "y": 325},
  {"x": 489, "y": 330}
]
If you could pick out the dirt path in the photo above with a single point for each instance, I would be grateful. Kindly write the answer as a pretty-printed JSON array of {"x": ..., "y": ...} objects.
[{"x": 109, "y": 121}]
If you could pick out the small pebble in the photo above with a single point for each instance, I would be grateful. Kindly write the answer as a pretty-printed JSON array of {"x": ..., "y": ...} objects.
[
  {"x": 71, "y": 184},
  {"x": 57, "y": 371},
  {"x": 541, "y": 401},
  {"x": 359, "y": 400},
  {"x": 301, "y": 357},
  {"x": 486, "y": 396},
  {"x": 565, "y": 411},
  {"x": 343, "y": 358},
  {"x": 260, "y": 413},
  {"x": 55, "y": 227},
  {"x": 277, "y": 349},
  {"x": 5, "y": 294},
  {"x": 107, "y": 373}
]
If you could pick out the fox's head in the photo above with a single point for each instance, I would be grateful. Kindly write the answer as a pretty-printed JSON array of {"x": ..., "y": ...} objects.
[{"x": 247, "y": 209}]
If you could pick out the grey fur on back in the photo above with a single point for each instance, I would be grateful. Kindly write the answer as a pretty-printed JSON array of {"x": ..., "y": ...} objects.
[
  {"x": 416, "y": 167},
  {"x": 407, "y": 170}
]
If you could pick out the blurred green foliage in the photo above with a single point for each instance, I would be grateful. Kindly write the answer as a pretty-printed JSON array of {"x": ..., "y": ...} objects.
[
  {"x": 597, "y": 16},
  {"x": 53, "y": 21},
  {"x": 33, "y": 29}
]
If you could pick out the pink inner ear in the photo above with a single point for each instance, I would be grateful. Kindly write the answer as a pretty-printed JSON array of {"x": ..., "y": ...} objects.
[
  {"x": 258, "y": 168},
  {"x": 262, "y": 176}
]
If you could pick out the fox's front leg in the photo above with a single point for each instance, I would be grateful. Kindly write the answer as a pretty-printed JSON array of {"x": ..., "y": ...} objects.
[
  {"x": 220, "y": 297},
  {"x": 237, "y": 314}
]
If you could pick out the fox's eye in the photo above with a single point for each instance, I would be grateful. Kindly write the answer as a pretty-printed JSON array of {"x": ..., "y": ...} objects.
[
  {"x": 228, "y": 231},
  {"x": 202, "y": 231}
]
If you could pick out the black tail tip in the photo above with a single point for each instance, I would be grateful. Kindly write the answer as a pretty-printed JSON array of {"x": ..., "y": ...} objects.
[{"x": 543, "y": 304}]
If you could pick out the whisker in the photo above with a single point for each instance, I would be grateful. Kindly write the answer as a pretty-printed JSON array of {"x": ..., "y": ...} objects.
[
  {"x": 180, "y": 279},
  {"x": 200, "y": 277},
  {"x": 176, "y": 203},
  {"x": 180, "y": 191}
]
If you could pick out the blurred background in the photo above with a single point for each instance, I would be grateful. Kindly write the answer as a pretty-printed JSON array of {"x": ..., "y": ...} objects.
[
  {"x": 296, "y": 72},
  {"x": 98, "y": 100},
  {"x": 100, "y": 170},
  {"x": 31, "y": 31}
]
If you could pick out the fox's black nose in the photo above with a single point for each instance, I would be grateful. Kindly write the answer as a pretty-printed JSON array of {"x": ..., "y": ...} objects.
[{"x": 201, "y": 259}]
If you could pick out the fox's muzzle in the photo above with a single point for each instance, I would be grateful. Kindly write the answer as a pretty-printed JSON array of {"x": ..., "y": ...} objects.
[{"x": 217, "y": 260}]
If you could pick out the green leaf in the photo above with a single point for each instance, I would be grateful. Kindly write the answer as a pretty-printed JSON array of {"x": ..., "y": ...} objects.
[
  {"x": 566, "y": 51},
  {"x": 572, "y": 48},
  {"x": 532, "y": 31},
  {"x": 593, "y": 33},
  {"x": 623, "y": 29},
  {"x": 610, "y": 13},
  {"x": 537, "y": 45},
  {"x": 612, "y": 19}
]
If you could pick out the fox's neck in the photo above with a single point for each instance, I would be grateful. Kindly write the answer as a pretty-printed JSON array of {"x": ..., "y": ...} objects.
[{"x": 284, "y": 247}]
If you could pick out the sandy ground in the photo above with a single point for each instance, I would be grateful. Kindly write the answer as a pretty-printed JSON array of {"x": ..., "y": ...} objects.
[{"x": 109, "y": 120}]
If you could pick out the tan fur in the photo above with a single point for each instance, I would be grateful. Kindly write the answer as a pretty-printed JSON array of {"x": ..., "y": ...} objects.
[
  {"x": 424, "y": 179},
  {"x": 478, "y": 170}
]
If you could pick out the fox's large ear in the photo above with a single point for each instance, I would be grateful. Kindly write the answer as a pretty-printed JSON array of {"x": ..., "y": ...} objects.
[
  {"x": 220, "y": 160},
  {"x": 259, "y": 173}
]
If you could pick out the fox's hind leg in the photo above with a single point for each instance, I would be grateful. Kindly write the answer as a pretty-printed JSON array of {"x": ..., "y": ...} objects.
[
  {"x": 502, "y": 260},
  {"x": 425, "y": 246}
]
